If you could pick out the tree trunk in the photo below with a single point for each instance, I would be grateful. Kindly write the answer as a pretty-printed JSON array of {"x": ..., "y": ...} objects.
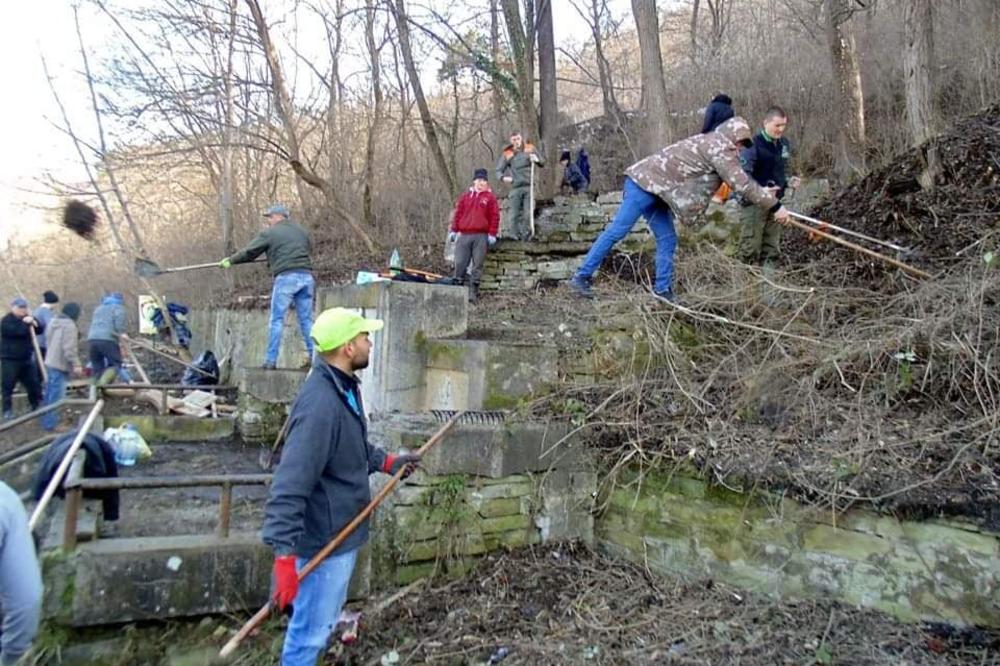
[
  {"x": 283, "y": 103},
  {"x": 403, "y": 28},
  {"x": 522, "y": 51},
  {"x": 849, "y": 106},
  {"x": 367, "y": 194},
  {"x": 918, "y": 71},
  {"x": 226, "y": 185},
  {"x": 654, "y": 90},
  {"x": 609, "y": 103},
  {"x": 498, "y": 129},
  {"x": 549, "y": 125}
]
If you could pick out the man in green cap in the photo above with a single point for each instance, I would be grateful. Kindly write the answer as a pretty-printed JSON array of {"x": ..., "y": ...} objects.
[
  {"x": 287, "y": 247},
  {"x": 321, "y": 483}
]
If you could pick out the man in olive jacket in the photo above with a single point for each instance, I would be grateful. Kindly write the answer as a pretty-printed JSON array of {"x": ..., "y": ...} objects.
[
  {"x": 287, "y": 247},
  {"x": 321, "y": 483},
  {"x": 678, "y": 181},
  {"x": 515, "y": 167}
]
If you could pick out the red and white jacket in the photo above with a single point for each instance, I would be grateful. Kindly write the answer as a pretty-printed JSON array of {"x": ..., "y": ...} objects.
[{"x": 476, "y": 213}]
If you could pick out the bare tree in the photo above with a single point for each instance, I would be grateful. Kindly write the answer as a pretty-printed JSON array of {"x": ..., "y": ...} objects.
[
  {"x": 426, "y": 119},
  {"x": 547, "y": 93},
  {"x": 375, "y": 122},
  {"x": 848, "y": 99},
  {"x": 497, "y": 96},
  {"x": 654, "y": 91},
  {"x": 918, "y": 72},
  {"x": 522, "y": 48},
  {"x": 283, "y": 104},
  {"x": 595, "y": 12}
]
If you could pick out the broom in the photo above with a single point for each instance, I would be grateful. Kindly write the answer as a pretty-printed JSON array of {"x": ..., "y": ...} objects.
[{"x": 79, "y": 218}]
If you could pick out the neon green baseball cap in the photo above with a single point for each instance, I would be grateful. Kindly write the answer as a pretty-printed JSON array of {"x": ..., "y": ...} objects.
[{"x": 338, "y": 326}]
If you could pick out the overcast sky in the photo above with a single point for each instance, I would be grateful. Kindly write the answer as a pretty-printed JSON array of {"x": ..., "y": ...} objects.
[{"x": 32, "y": 142}]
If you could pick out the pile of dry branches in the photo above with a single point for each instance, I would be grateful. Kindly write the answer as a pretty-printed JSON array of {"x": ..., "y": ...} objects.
[
  {"x": 834, "y": 395},
  {"x": 565, "y": 604}
]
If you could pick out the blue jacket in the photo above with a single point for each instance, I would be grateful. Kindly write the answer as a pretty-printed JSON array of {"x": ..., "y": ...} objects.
[
  {"x": 766, "y": 159},
  {"x": 44, "y": 315},
  {"x": 321, "y": 483},
  {"x": 109, "y": 319},
  {"x": 20, "y": 579},
  {"x": 718, "y": 111}
]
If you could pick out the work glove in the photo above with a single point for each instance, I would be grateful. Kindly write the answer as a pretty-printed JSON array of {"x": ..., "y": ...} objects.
[
  {"x": 286, "y": 580},
  {"x": 452, "y": 236},
  {"x": 28, "y": 320},
  {"x": 534, "y": 158},
  {"x": 393, "y": 463},
  {"x": 225, "y": 263},
  {"x": 491, "y": 240}
]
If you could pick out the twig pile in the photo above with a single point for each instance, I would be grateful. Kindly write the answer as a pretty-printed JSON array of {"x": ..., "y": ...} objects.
[
  {"x": 565, "y": 604},
  {"x": 942, "y": 226}
]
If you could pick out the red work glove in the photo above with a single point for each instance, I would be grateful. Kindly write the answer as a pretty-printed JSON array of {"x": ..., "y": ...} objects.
[
  {"x": 286, "y": 580},
  {"x": 393, "y": 463}
]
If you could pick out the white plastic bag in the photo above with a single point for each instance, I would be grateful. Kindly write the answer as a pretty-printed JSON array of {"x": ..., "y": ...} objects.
[{"x": 128, "y": 444}]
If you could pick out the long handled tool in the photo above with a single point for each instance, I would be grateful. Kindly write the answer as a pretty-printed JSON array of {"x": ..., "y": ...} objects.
[
  {"x": 317, "y": 559},
  {"x": 531, "y": 199},
  {"x": 912, "y": 270},
  {"x": 143, "y": 345},
  {"x": 147, "y": 268},
  {"x": 823, "y": 226},
  {"x": 38, "y": 354},
  {"x": 266, "y": 457},
  {"x": 57, "y": 478}
]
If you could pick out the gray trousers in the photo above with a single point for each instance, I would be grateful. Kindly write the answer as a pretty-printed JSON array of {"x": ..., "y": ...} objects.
[
  {"x": 470, "y": 253},
  {"x": 518, "y": 202}
]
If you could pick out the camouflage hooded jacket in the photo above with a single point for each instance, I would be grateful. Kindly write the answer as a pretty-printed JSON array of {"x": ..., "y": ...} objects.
[{"x": 686, "y": 173}]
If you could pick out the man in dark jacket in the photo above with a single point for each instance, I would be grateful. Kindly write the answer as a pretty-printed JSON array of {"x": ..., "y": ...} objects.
[
  {"x": 321, "y": 483},
  {"x": 287, "y": 247},
  {"x": 475, "y": 223},
  {"x": 765, "y": 162},
  {"x": 676, "y": 181},
  {"x": 717, "y": 112},
  {"x": 17, "y": 357},
  {"x": 516, "y": 167}
]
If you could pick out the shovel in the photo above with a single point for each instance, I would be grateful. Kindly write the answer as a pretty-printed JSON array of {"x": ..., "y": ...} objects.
[{"x": 147, "y": 268}]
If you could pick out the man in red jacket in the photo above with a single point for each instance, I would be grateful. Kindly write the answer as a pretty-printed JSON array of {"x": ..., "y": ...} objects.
[{"x": 474, "y": 226}]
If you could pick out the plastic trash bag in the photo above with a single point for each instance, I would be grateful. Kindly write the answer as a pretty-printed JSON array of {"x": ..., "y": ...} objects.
[
  {"x": 209, "y": 375},
  {"x": 128, "y": 444}
]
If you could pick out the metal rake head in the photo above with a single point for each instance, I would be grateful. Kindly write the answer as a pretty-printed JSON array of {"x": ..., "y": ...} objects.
[{"x": 477, "y": 418}]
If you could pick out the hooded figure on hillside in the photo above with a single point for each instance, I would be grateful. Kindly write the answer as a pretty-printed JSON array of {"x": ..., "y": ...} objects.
[{"x": 719, "y": 110}]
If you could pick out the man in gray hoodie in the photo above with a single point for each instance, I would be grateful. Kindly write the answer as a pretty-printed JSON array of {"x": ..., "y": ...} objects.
[
  {"x": 107, "y": 332},
  {"x": 20, "y": 580}
]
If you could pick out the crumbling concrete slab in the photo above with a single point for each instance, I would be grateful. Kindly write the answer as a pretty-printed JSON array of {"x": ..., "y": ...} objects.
[
  {"x": 486, "y": 375},
  {"x": 156, "y": 428},
  {"x": 279, "y": 385},
  {"x": 485, "y": 450}
]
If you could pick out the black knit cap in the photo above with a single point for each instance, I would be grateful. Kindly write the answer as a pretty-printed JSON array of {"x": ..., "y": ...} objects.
[
  {"x": 50, "y": 297},
  {"x": 481, "y": 174},
  {"x": 71, "y": 310},
  {"x": 565, "y": 156}
]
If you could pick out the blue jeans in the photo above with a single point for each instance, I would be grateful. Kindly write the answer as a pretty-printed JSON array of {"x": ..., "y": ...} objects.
[
  {"x": 316, "y": 608},
  {"x": 635, "y": 202},
  {"x": 297, "y": 286},
  {"x": 55, "y": 390}
]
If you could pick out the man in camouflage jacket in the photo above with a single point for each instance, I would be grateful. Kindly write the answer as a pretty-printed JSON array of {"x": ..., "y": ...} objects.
[{"x": 678, "y": 181}]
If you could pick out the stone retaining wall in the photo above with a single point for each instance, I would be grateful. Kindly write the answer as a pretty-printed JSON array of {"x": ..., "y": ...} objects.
[{"x": 927, "y": 570}]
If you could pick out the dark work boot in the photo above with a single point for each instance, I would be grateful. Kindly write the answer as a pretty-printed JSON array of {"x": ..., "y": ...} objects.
[{"x": 473, "y": 292}]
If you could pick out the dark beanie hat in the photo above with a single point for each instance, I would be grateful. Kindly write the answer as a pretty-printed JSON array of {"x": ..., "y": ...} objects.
[
  {"x": 71, "y": 310},
  {"x": 481, "y": 174},
  {"x": 564, "y": 156},
  {"x": 50, "y": 297}
]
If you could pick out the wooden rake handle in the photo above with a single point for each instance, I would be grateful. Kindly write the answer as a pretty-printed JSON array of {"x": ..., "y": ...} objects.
[
  {"x": 318, "y": 558},
  {"x": 912, "y": 270}
]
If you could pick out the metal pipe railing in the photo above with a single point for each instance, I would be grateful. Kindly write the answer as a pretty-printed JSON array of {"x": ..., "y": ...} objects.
[{"x": 75, "y": 487}]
